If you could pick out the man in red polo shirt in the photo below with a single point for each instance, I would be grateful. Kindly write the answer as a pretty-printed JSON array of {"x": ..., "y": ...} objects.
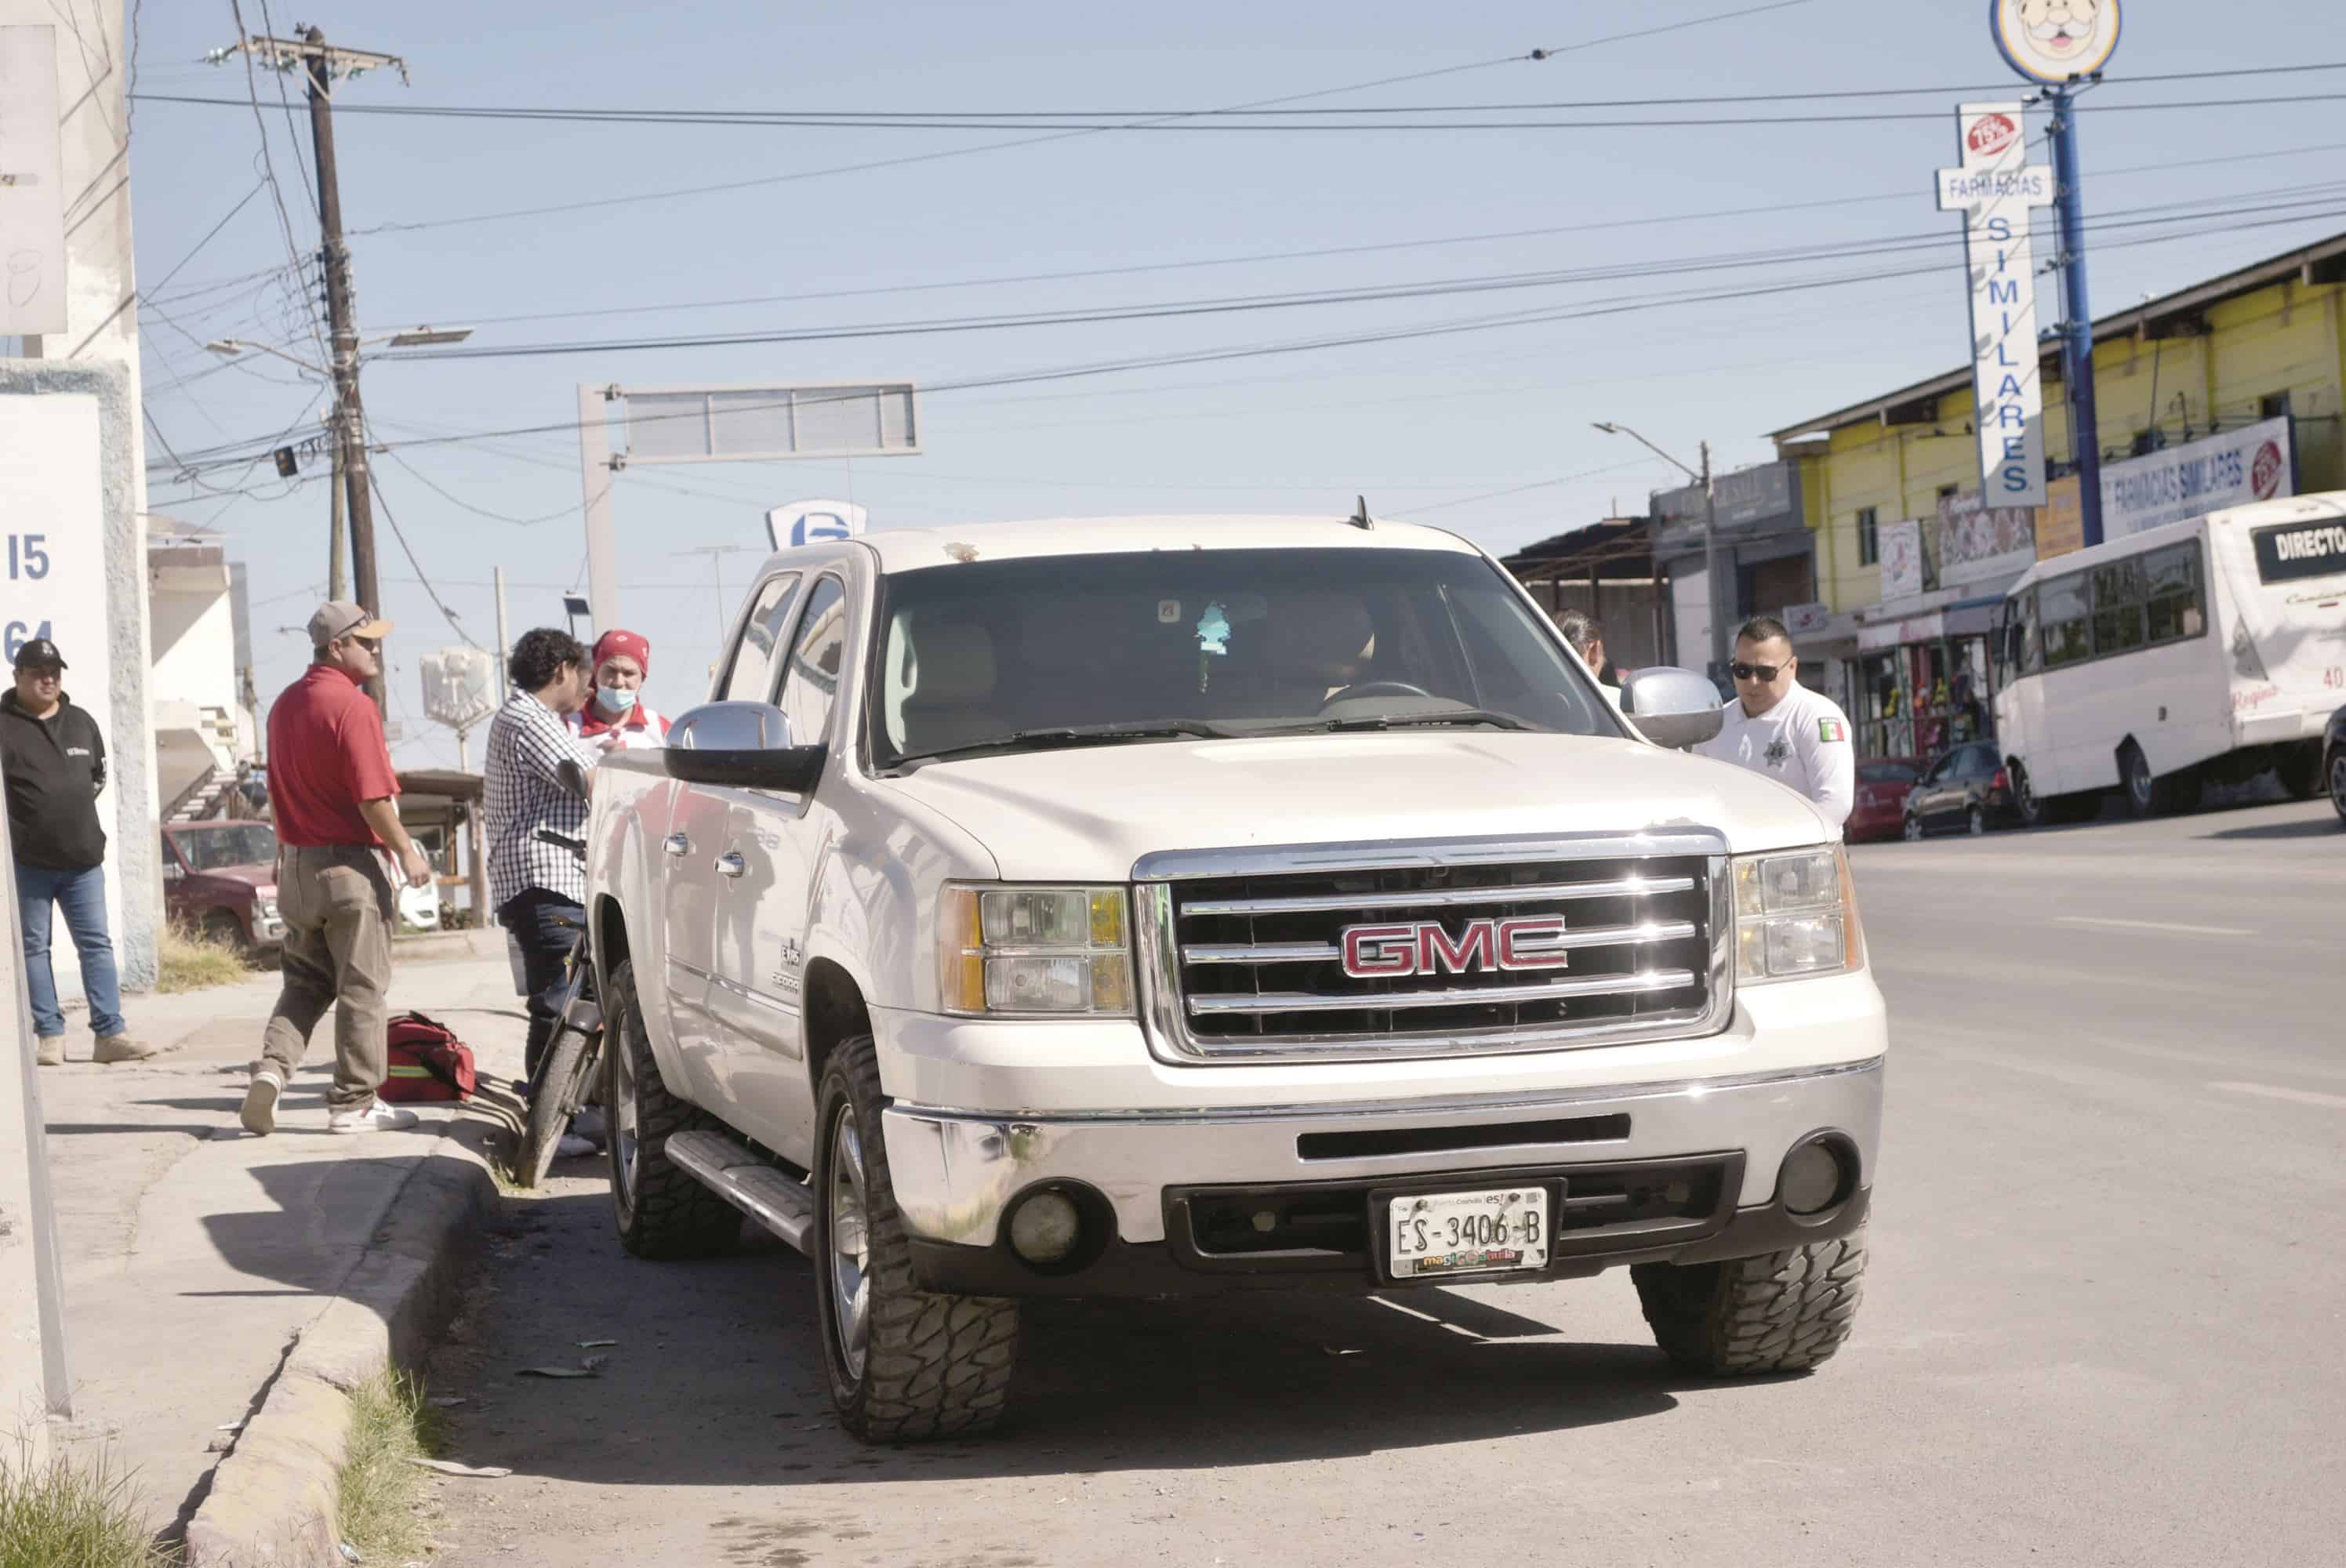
[{"x": 337, "y": 807}]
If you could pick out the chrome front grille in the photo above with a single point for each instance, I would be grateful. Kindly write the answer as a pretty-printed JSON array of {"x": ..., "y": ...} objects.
[{"x": 1243, "y": 951}]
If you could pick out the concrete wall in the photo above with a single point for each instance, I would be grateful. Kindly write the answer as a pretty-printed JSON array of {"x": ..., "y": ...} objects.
[
  {"x": 193, "y": 631},
  {"x": 110, "y": 661}
]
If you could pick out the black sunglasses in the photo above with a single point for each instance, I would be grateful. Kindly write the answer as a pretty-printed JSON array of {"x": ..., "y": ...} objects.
[
  {"x": 372, "y": 645},
  {"x": 1767, "y": 672}
]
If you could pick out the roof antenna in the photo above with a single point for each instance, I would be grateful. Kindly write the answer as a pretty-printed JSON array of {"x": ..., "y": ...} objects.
[{"x": 1360, "y": 518}]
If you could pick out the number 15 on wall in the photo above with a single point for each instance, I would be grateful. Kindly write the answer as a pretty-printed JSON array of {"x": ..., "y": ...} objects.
[{"x": 26, "y": 556}]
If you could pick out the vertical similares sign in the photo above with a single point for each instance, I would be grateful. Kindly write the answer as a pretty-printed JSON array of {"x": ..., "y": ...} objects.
[{"x": 1996, "y": 189}]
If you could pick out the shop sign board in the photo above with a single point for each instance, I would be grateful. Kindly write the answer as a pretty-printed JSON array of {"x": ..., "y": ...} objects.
[
  {"x": 1902, "y": 576},
  {"x": 1882, "y": 634},
  {"x": 1806, "y": 620},
  {"x": 2048, "y": 43},
  {"x": 1746, "y": 498},
  {"x": 1977, "y": 542},
  {"x": 1996, "y": 189},
  {"x": 2255, "y": 462},
  {"x": 2061, "y": 524}
]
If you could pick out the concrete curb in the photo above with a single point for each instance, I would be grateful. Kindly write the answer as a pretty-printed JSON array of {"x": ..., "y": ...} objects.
[{"x": 272, "y": 1499}]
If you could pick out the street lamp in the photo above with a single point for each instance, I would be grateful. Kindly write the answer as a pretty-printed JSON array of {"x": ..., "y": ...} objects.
[
  {"x": 405, "y": 338},
  {"x": 574, "y": 606},
  {"x": 1709, "y": 536}
]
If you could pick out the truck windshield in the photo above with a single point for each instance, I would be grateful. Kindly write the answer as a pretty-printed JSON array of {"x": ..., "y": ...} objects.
[
  {"x": 215, "y": 849},
  {"x": 1089, "y": 649}
]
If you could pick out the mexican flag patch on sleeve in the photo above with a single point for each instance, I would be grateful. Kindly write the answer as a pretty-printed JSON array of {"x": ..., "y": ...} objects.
[{"x": 1832, "y": 729}]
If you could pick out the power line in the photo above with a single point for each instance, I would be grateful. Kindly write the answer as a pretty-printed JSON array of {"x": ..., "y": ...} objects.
[
  {"x": 374, "y": 483},
  {"x": 1194, "y": 121},
  {"x": 1613, "y": 306},
  {"x": 1321, "y": 252},
  {"x": 1245, "y": 304},
  {"x": 269, "y": 173}
]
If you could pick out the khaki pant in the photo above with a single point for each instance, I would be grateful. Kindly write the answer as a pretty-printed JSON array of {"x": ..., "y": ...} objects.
[{"x": 339, "y": 909}]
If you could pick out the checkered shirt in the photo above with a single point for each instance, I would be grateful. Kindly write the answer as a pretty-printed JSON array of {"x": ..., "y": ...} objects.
[{"x": 528, "y": 742}]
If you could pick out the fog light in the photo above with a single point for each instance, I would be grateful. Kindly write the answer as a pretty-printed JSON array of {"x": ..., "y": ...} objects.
[
  {"x": 1811, "y": 1179},
  {"x": 1045, "y": 1227}
]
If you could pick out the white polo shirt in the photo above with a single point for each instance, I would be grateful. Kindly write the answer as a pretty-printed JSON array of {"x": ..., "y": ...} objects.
[{"x": 1803, "y": 741}]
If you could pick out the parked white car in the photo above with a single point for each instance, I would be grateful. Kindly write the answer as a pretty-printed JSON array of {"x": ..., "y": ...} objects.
[{"x": 1169, "y": 905}]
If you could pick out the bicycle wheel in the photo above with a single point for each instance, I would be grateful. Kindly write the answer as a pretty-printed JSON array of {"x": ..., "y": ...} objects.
[{"x": 561, "y": 1083}]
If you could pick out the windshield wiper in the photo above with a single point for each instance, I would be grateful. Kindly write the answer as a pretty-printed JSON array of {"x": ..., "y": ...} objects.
[
  {"x": 1056, "y": 736},
  {"x": 1413, "y": 721}
]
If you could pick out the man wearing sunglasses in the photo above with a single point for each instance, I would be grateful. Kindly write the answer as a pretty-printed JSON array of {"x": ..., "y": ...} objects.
[
  {"x": 336, "y": 801},
  {"x": 1779, "y": 728}
]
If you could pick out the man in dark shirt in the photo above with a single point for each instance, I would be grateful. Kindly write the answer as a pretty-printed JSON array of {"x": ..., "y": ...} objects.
[
  {"x": 55, "y": 763},
  {"x": 336, "y": 809}
]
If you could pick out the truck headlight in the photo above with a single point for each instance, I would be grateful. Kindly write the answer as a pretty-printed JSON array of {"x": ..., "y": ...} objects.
[
  {"x": 1035, "y": 951},
  {"x": 1795, "y": 915},
  {"x": 264, "y": 906}
]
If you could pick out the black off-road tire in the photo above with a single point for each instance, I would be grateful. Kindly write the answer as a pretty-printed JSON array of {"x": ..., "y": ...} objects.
[
  {"x": 549, "y": 1117},
  {"x": 1782, "y": 1312},
  {"x": 2335, "y": 770},
  {"x": 934, "y": 1365},
  {"x": 669, "y": 1215}
]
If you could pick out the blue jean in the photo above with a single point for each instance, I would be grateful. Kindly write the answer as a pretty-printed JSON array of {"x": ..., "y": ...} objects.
[
  {"x": 82, "y": 895},
  {"x": 546, "y": 926}
]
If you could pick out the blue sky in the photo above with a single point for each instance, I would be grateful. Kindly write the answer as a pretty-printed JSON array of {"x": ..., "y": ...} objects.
[{"x": 1450, "y": 427}]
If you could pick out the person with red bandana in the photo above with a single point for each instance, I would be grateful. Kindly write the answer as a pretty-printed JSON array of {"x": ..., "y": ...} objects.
[{"x": 615, "y": 718}]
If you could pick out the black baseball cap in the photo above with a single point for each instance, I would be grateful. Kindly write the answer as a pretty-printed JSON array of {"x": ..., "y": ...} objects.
[{"x": 40, "y": 651}]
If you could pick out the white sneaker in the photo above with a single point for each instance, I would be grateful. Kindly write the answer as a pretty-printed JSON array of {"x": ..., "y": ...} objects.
[
  {"x": 588, "y": 1125},
  {"x": 572, "y": 1146},
  {"x": 374, "y": 1116},
  {"x": 260, "y": 1115}
]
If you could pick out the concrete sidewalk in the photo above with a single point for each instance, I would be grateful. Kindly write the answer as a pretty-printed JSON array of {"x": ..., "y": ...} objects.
[{"x": 196, "y": 1256}]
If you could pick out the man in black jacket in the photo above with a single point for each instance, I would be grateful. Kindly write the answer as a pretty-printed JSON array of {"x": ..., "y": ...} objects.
[{"x": 54, "y": 760}]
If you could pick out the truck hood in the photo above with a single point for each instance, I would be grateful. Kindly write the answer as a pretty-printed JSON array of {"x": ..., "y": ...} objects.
[
  {"x": 255, "y": 878},
  {"x": 1088, "y": 813}
]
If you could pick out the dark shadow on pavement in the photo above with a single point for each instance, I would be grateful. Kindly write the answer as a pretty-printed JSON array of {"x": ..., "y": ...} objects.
[
  {"x": 717, "y": 1377},
  {"x": 2315, "y": 828}
]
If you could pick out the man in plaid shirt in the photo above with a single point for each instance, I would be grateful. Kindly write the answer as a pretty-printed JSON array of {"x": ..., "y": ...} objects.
[{"x": 539, "y": 889}]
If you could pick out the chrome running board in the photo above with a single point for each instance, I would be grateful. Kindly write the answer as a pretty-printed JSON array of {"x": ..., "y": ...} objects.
[{"x": 758, "y": 1189}]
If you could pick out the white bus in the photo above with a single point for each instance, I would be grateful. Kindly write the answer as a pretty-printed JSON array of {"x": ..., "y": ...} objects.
[{"x": 2207, "y": 650}]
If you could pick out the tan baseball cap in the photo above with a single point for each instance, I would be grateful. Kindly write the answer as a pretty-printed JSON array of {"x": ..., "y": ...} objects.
[{"x": 339, "y": 618}]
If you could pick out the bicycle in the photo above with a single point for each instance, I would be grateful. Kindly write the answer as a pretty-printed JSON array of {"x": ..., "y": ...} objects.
[{"x": 573, "y": 1052}]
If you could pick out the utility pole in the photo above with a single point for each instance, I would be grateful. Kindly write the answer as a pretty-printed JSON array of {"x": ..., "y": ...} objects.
[
  {"x": 310, "y": 55},
  {"x": 335, "y": 585},
  {"x": 1710, "y": 564},
  {"x": 497, "y": 575},
  {"x": 2076, "y": 315}
]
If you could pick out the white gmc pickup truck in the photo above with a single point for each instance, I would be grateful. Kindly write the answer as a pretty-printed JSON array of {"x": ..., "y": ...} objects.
[{"x": 1171, "y": 905}]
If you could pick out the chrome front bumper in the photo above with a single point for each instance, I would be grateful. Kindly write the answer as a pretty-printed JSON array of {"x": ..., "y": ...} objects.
[{"x": 955, "y": 1172}]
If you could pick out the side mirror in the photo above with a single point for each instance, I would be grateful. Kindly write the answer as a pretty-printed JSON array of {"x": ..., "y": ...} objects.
[
  {"x": 174, "y": 872},
  {"x": 574, "y": 778},
  {"x": 1671, "y": 707},
  {"x": 742, "y": 745}
]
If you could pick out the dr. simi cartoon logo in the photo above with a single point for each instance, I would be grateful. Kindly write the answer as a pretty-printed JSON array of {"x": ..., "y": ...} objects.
[{"x": 2054, "y": 40}]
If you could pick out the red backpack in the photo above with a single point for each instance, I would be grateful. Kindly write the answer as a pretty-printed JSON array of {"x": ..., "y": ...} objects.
[{"x": 428, "y": 1063}]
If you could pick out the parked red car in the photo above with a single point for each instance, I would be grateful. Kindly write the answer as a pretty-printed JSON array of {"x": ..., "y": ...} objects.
[
  {"x": 221, "y": 878},
  {"x": 1882, "y": 786}
]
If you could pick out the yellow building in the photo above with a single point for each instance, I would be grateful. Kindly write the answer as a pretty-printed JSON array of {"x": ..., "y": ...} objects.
[{"x": 2265, "y": 342}]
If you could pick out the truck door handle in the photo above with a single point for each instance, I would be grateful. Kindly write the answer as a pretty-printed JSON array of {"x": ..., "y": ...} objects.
[
  {"x": 677, "y": 844},
  {"x": 731, "y": 863}
]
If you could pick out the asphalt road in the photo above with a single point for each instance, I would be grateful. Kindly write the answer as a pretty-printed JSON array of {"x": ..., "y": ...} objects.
[{"x": 2103, "y": 1321}]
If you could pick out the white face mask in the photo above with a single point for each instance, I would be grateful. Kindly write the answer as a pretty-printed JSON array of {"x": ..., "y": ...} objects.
[{"x": 615, "y": 698}]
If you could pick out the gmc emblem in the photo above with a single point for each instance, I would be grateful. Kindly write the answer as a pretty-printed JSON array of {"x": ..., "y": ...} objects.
[{"x": 1426, "y": 947}]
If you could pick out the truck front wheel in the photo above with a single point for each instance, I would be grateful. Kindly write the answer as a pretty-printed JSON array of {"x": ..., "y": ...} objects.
[
  {"x": 905, "y": 1363},
  {"x": 661, "y": 1212},
  {"x": 1780, "y": 1312}
]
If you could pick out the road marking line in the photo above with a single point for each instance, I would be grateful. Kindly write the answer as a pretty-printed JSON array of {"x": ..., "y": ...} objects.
[
  {"x": 2296, "y": 1096},
  {"x": 2154, "y": 925}
]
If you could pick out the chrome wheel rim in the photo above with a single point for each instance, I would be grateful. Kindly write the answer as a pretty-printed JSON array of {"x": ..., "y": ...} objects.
[
  {"x": 851, "y": 1242},
  {"x": 1979, "y": 822},
  {"x": 2138, "y": 781},
  {"x": 621, "y": 1131},
  {"x": 1911, "y": 829}
]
